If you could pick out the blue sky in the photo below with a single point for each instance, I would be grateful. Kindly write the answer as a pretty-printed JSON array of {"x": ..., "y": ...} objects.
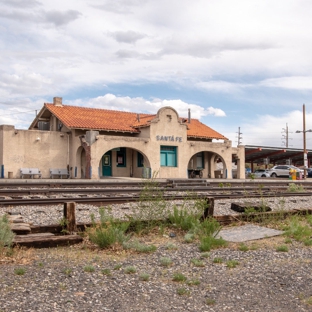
[{"x": 235, "y": 64}]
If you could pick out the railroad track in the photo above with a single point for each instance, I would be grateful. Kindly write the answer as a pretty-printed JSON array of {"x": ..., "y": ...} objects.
[
  {"x": 65, "y": 184},
  {"x": 104, "y": 200},
  {"x": 98, "y": 193},
  {"x": 38, "y": 188},
  {"x": 208, "y": 189}
]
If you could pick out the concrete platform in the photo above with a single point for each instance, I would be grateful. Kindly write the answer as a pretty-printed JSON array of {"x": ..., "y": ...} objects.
[{"x": 247, "y": 232}]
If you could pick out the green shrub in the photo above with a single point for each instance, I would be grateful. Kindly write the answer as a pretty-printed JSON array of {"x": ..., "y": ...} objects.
[
  {"x": 205, "y": 255},
  {"x": 308, "y": 242},
  {"x": 209, "y": 227},
  {"x": 145, "y": 248},
  {"x": 130, "y": 269},
  {"x": 282, "y": 248},
  {"x": 189, "y": 238},
  {"x": 295, "y": 229},
  {"x": 309, "y": 219},
  {"x": 151, "y": 206},
  {"x": 139, "y": 247},
  {"x": 183, "y": 291},
  {"x": 106, "y": 272},
  {"x": 89, "y": 268},
  {"x": 293, "y": 187},
  {"x": 179, "y": 277},
  {"x": 210, "y": 301},
  {"x": 67, "y": 271},
  {"x": 19, "y": 271},
  {"x": 243, "y": 247},
  {"x": 209, "y": 242},
  {"x": 171, "y": 246},
  {"x": 144, "y": 277},
  {"x": 217, "y": 260},
  {"x": 165, "y": 261},
  {"x": 198, "y": 263},
  {"x": 6, "y": 235},
  {"x": 232, "y": 263},
  {"x": 117, "y": 266},
  {"x": 108, "y": 232},
  {"x": 193, "y": 282},
  {"x": 182, "y": 219}
]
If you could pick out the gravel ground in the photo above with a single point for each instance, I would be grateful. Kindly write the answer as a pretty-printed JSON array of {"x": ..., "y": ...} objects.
[
  {"x": 57, "y": 279},
  {"x": 263, "y": 280}
]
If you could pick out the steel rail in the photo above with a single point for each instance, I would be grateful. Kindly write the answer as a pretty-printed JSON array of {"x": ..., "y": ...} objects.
[
  {"x": 121, "y": 189},
  {"x": 188, "y": 183},
  {"x": 53, "y": 191},
  {"x": 100, "y": 200}
]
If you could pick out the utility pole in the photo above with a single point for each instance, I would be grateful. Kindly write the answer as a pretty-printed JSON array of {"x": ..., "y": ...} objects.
[
  {"x": 285, "y": 136},
  {"x": 305, "y": 158},
  {"x": 304, "y": 131},
  {"x": 239, "y": 137}
]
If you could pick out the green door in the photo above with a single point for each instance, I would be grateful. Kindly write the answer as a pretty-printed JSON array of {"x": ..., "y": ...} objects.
[{"x": 107, "y": 164}]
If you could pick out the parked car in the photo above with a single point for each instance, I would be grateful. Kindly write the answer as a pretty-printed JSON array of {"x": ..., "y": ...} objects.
[
  {"x": 262, "y": 173},
  {"x": 282, "y": 171},
  {"x": 309, "y": 172}
]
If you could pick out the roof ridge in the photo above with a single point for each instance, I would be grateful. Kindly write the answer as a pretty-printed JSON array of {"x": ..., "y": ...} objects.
[{"x": 106, "y": 109}]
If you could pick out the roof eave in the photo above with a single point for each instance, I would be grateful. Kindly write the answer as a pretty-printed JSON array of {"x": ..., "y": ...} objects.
[
  {"x": 102, "y": 129},
  {"x": 206, "y": 137}
]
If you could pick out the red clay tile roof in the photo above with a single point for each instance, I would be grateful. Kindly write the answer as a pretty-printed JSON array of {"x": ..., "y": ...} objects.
[
  {"x": 196, "y": 129},
  {"x": 75, "y": 117}
]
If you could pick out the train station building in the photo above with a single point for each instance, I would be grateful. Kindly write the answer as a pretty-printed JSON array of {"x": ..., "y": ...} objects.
[{"x": 95, "y": 143}]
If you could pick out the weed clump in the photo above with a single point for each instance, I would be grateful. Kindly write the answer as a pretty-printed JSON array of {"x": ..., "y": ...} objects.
[
  {"x": 298, "y": 230},
  {"x": 293, "y": 187},
  {"x": 6, "y": 235},
  {"x": 108, "y": 231},
  {"x": 150, "y": 208}
]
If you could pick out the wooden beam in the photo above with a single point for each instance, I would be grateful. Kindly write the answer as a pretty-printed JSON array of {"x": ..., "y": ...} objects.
[
  {"x": 46, "y": 240},
  {"x": 209, "y": 208},
  {"x": 70, "y": 217}
]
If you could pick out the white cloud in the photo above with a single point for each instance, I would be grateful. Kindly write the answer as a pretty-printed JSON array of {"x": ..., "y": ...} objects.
[
  {"x": 220, "y": 86},
  {"x": 216, "y": 112},
  {"x": 270, "y": 130},
  {"x": 297, "y": 83},
  {"x": 127, "y": 36},
  {"x": 139, "y": 104},
  {"x": 216, "y": 53}
]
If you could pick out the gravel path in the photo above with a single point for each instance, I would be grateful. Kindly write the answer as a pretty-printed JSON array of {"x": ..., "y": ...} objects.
[
  {"x": 263, "y": 280},
  {"x": 58, "y": 279}
]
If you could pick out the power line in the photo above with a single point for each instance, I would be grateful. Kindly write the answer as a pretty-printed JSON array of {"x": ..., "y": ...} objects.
[{"x": 34, "y": 110}]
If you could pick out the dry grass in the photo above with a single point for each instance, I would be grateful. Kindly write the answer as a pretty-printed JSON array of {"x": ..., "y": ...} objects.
[{"x": 86, "y": 252}]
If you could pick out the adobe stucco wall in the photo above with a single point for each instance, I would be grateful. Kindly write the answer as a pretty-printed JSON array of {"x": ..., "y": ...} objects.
[
  {"x": 165, "y": 130},
  {"x": 33, "y": 149},
  {"x": 1, "y": 148},
  {"x": 55, "y": 149}
]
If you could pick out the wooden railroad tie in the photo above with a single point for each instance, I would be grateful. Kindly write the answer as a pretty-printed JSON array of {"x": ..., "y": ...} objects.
[{"x": 46, "y": 236}]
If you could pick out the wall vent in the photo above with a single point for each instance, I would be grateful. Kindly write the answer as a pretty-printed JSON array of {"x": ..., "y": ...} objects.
[{"x": 43, "y": 125}]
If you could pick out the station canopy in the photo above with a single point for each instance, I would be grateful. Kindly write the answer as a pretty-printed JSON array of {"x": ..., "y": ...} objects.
[{"x": 275, "y": 155}]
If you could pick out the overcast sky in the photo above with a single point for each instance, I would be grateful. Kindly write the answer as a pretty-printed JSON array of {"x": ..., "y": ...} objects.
[{"x": 244, "y": 63}]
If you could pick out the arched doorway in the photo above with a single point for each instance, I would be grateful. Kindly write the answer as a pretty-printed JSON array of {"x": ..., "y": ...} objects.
[
  {"x": 124, "y": 162},
  {"x": 205, "y": 164},
  {"x": 107, "y": 164},
  {"x": 81, "y": 163}
]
